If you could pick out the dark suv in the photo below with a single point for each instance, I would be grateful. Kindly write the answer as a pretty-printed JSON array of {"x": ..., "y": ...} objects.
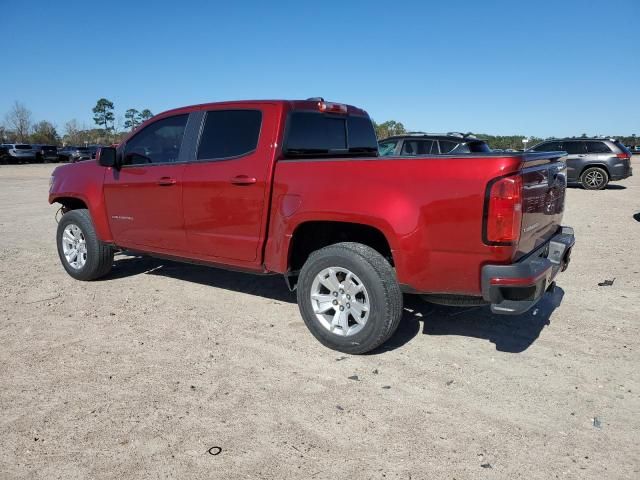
[
  {"x": 74, "y": 154},
  {"x": 420, "y": 143},
  {"x": 46, "y": 153},
  {"x": 593, "y": 162}
]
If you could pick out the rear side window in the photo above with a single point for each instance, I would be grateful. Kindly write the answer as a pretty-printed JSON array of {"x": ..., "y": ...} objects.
[
  {"x": 446, "y": 146},
  {"x": 23, "y": 147},
  {"x": 417, "y": 147},
  {"x": 157, "y": 143},
  {"x": 310, "y": 133},
  {"x": 573, "y": 148},
  {"x": 597, "y": 147},
  {"x": 229, "y": 133}
]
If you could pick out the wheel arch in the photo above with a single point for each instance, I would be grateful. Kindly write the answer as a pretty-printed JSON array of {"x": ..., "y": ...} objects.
[
  {"x": 603, "y": 166},
  {"x": 311, "y": 235},
  {"x": 98, "y": 213}
]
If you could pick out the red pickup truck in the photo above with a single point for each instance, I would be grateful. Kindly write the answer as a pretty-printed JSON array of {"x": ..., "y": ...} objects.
[{"x": 297, "y": 188}]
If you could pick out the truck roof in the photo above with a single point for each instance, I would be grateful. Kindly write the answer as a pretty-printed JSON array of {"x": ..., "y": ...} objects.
[{"x": 309, "y": 104}]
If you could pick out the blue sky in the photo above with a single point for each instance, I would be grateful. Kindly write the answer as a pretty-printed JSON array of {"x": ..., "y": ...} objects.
[{"x": 545, "y": 68}]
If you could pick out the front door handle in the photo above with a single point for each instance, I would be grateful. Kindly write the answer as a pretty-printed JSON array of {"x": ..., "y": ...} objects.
[
  {"x": 243, "y": 180},
  {"x": 166, "y": 181}
]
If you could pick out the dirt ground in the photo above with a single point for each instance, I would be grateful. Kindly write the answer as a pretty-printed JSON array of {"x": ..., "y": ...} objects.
[{"x": 141, "y": 374}]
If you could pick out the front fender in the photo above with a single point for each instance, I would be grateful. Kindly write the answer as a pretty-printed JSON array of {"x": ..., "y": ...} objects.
[{"x": 83, "y": 181}]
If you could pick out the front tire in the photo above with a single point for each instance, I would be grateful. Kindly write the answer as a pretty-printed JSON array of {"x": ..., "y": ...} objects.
[
  {"x": 82, "y": 254},
  {"x": 594, "y": 178},
  {"x": 349, "y": 297}
]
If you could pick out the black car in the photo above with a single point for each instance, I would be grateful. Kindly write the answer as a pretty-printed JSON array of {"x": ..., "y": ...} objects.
[
  {"x": 592, "y": 162},
  {"x": 4, "y": 155},
  {"x": 420, "y": 143},
  {"x": 46, "y": 153},
  {"x": 74, "y": 154}
]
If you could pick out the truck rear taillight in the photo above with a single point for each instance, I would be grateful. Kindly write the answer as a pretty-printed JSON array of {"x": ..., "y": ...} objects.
[
  {"x": 623, "y": 156},
  {"x": 503, "y": 211},
  {"x": 329, "y": 107}
]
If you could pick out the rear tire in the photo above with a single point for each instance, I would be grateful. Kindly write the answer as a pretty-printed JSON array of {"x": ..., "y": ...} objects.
[
  {"x": 82, "y": 254},
  {"x": 594, "y": 178},
  {"x": 349, "y": 280}
]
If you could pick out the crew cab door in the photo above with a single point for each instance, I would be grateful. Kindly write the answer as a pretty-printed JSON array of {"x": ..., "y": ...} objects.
[
  {"x": 226, "y": 185},
  {"x": 144, "y": 196}
]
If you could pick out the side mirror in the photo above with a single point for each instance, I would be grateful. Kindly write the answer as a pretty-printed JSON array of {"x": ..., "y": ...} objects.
[{"x": 107, "y": 157}]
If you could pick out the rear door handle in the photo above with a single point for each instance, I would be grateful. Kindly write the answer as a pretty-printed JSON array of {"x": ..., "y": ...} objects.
[
  {"x": 166, "y": 181},
  {"x": 243, "y": 180}
]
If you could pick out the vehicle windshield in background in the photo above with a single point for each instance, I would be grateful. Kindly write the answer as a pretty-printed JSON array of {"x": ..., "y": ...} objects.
[
  {"x": 23, "y": 147},
  {"x": 310, "y": 133},
  {"x": 471, "y": 147}
]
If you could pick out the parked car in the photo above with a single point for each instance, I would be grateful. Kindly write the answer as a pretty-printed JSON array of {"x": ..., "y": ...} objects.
[
  {"x": 297, "y": 188},
  {"x": 4, "y": 155},
  {"x": 593, "y": 162},
  {"x": 46, "y": 153},
  {"x": 74, "y": 154},
  {"x": 93, "y": 150},
  {"x": 420, "y": 143},
  {"x": 20, "y": 152}
]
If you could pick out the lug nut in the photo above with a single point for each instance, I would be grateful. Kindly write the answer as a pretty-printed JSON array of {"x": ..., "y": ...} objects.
[
  {"x": 335, "y": 294},
  {"x": 335, "y": 302},
  {"x": 348, "y": 305},
  {"x": 348, "y": 297},
  {"x": 341, "y": 308},
  {"x": 341, "y": 291}
]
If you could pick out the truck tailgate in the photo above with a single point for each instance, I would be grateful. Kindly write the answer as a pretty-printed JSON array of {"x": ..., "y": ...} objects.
[{"x": 543, "y": 191}]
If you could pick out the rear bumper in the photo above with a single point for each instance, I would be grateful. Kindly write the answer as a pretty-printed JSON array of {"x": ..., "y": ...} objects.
[
  {"x": 621, "y": 173},
  {"x": 514, "y": 289}
]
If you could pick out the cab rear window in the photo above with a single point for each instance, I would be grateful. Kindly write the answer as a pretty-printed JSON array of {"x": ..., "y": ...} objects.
[{"x": 317, "y": 134}]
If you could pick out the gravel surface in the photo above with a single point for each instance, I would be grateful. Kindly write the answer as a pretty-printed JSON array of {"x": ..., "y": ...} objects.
[{"x": 141, "y": 374}]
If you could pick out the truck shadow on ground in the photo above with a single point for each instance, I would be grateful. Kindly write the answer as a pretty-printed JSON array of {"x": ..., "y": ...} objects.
[
  {"x": 509, "y": 333},
  {"x": 513, "y": 334},
  {"x": 268, "y": 286}
]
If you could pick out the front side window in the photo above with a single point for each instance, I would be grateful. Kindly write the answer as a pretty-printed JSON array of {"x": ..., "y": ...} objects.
[
  {"x": 229, "y": 133},
  {"x": 597, "y": 147},
  {"x": 387, "y": 148},
  {"x": 446, "y": 146},
  {"x": 157, "y": 143},
  {"x": 418, "y": 147},
  {"x": 548, "y": 147}
]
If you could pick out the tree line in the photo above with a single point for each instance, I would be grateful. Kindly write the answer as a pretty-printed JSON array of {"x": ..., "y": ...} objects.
[{"x": 19, "y": 127}]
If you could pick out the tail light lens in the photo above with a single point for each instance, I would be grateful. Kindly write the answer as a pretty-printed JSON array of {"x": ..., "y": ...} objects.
[
  {"x": 623, "y": 156},
  {"x": 503, "y": 211}
]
